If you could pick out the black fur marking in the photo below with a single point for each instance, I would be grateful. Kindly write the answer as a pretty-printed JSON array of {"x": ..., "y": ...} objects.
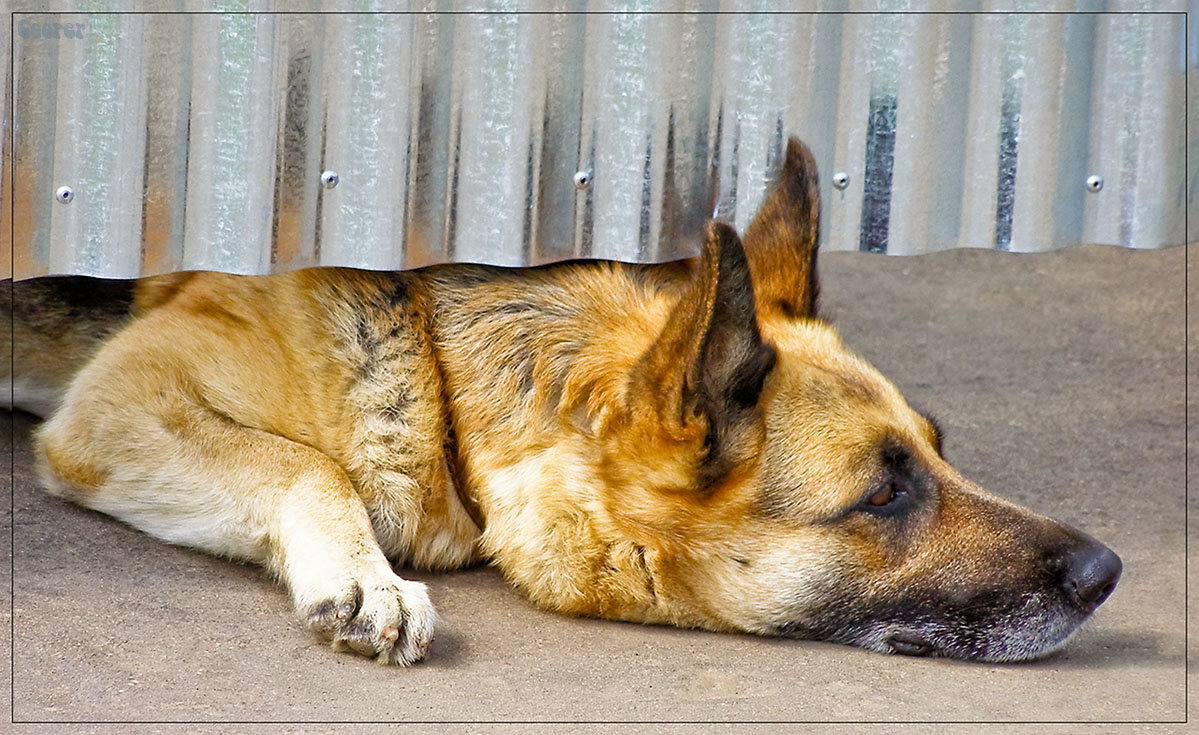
[
  {"x": 649, "y": 577},
  {"x": 530, "y": 310},
  {"x": 514, "y": 307},
  {"x": 83, "y": 295},
  {"x": 791, "y": 630},
  {"x": 323, "y": 611},
  {"x": 366, "y": 338},
  {"x": 324, "y": 614},
  {"x": 812, "y": 308},
  {"x": 711, "y": 439},
  {"x": 895, "y": 455},
  {"x": 399, "y": 293},
  {"x": 735, "y": 360},
  {"x": 745, "y": 388},
  {"x": 609, "y": 567},
  {"x": 395, "y": 411},
  {"x": 399, "y": 329},
  {"x": 525, "y": 364},
  {"x": 359, "y": 628}
]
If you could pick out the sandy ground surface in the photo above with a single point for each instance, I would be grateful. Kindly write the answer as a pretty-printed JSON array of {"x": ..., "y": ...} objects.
[{"x": 1059, "y": 379}]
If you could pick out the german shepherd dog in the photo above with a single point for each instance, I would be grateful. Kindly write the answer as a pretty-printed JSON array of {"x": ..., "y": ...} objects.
[{"x": 683, "y": 444}]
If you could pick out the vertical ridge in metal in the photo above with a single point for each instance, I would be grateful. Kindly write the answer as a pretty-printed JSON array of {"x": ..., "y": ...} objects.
[{"x": 199, "y": 141}]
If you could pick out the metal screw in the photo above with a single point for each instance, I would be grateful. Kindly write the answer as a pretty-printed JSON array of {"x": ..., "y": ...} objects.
[
  {"x": 1094, "y": 183},
  {"x": 329, "y": 179},
  {"x": 64, "y": 194},
  {"x": 840, "y": 180},
  {"x": 583, "y": 179}
]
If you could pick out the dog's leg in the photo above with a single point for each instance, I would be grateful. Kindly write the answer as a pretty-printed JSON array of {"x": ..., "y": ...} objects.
[{"x": 159, "y": 459}]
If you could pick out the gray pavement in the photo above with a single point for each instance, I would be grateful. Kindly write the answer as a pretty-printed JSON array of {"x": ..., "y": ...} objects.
[{"x": 1058, "y": 378}]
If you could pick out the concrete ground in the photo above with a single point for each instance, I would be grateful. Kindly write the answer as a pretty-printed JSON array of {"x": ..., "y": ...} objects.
[{"x": 1059, "y": 379}]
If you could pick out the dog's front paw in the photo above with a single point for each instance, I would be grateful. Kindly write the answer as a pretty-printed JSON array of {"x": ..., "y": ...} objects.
[{"x": 390, "y": 620}]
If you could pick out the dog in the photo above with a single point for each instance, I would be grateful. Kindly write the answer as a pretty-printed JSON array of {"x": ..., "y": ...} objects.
[{"x": 685, "y": 444}]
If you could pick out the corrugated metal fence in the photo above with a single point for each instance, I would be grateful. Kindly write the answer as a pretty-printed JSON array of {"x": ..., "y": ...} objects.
[{"x": 255, "y": 142}]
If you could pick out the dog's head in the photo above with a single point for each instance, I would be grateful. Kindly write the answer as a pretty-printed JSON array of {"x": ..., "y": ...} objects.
[{"x": 780, "y": 485}]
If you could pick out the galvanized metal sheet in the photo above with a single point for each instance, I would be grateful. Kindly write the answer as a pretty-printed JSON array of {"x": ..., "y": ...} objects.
[{"x": 199, "y": 140}]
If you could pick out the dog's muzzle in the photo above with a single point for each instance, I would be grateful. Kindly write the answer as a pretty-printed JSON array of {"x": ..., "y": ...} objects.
[{"x": 1084, "y": 572}]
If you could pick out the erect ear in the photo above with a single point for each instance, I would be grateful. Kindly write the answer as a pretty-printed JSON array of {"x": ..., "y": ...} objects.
[
  {"x": 704, "y": 373},
  {"x": 781, "y": 241}
]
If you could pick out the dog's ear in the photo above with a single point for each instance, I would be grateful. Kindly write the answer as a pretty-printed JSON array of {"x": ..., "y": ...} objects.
[
  {"x": 781, "y": 241},
  {"x": 704, "y": 373}
]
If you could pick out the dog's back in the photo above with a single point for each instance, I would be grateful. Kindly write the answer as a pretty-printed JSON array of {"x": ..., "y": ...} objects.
[{"x": 58, "y": 324}]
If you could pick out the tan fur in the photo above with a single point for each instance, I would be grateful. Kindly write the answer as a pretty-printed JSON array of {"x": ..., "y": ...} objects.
[{"x": 661, "y": 444}]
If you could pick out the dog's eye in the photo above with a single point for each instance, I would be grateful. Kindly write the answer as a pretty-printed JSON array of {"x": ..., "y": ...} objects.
[
  {"x": 886, "y": 499},
  {"x": 883, "y": 497}
]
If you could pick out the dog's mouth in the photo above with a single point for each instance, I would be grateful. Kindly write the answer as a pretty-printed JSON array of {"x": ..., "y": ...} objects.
[
  {"x": 990, "y": 625},
  {"x": 907, "y": 644},
  {"x": 1032, "y": 626}
]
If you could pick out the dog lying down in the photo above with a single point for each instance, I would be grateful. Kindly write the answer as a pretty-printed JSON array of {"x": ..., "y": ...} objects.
[{"x": 685, "y": 444}]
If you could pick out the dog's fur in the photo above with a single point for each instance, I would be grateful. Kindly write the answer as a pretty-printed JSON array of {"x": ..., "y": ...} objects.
[{"x": 683, "y": 443}]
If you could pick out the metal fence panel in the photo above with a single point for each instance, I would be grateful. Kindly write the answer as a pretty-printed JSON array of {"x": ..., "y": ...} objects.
[{"x": 143, "y": 143}]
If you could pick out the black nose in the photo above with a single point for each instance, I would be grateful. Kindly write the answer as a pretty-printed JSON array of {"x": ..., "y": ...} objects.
[{"x": 1090, "y": 573}]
